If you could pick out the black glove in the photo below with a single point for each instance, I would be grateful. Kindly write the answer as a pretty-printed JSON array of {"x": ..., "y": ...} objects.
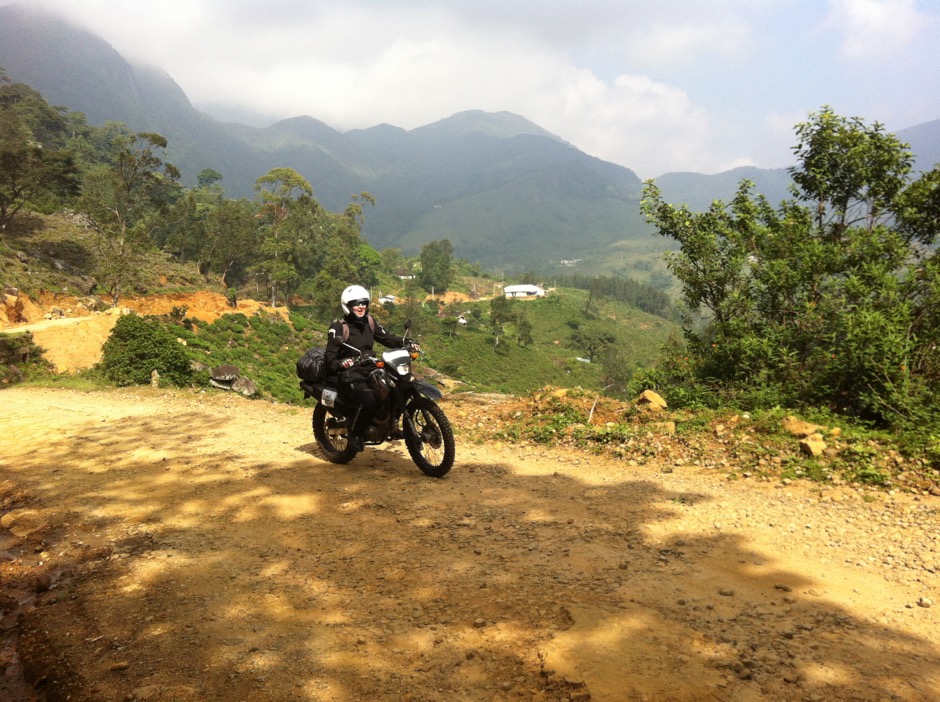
[
  {"x": 347, "y": 363},
  {"x": 411, "y": 344}
]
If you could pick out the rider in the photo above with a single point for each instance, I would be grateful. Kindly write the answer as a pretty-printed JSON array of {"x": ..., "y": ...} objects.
[{"x": 344, "y": 349}]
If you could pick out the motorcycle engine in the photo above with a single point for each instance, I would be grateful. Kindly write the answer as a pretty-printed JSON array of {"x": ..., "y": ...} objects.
[{"x": 378, "y": 381}]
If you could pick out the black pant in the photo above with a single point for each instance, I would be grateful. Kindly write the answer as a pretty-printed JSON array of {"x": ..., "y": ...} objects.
[{"x": 357, "y": 394}]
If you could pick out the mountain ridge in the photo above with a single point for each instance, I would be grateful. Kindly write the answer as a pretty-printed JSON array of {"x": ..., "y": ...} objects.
[{"x": 502, "y": 188}]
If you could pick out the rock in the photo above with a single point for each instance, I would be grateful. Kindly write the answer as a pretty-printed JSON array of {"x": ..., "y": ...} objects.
[
  {"x": 224, "y": 376},
  {"x": 22, "y": 522},
  {"x": 813, "y": 445},
  {"x": 799, "y": 428},
  {"x": 154, "y": 378},
  {"x": 245, "y": 386},
  {"x": 651, "y": 401},
  {"x": 925, "y": 602},
  {"x": 43, "y": 583},
  {"x": 225, "y": 373}
]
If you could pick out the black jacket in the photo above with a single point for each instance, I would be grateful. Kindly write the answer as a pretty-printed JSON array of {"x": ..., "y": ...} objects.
[{"x": 361, "y": 337}]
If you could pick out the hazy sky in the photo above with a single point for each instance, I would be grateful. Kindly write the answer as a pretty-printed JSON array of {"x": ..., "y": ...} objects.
[{"x": 653, "y": 85}]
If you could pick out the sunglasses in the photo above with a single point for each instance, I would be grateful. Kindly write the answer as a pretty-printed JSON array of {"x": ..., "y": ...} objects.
[{"x": 359, "y": 303}]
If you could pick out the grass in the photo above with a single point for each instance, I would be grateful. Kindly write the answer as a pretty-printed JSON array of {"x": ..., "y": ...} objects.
[
  {"x": 742, "y": 445},
  {"x": 473, "y": 355}
]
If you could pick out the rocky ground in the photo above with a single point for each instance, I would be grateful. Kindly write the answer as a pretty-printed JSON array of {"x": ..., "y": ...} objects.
[{"x": 177, "y": 545}]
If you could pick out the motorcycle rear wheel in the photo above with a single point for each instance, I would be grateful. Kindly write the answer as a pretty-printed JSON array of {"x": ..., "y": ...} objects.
[
  {"x": 429, "y": 437},
  {"x": 331, "y": 440}
]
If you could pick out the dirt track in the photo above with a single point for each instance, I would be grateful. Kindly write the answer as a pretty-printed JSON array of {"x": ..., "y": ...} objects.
[{"x": 178, "y": 546}]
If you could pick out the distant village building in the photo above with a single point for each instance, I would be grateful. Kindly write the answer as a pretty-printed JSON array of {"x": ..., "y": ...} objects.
[{"x": 524, "y": 291}]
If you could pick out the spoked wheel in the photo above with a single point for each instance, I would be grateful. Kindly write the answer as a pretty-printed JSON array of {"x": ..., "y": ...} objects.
[
  {"x": 429, "y": 437},
  {"x": 330, "y": 433}
]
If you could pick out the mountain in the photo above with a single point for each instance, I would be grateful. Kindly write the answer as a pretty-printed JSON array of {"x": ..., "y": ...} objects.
[
  {"x": 698, "y": 191},
  {"x": 924, "y": 140},
  {"x": 506, "y": 192}
]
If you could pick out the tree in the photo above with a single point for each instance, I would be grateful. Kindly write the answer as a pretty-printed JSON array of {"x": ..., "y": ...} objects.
[
  {"x": 125, "y": 201},
  {"x": 33, "y": 161},
  {"x": 591, "y": 338},
  {"x": 437, "y": 266},
  {"x": 501, "y": 312},
  {"x": 829, "y": 298},
  {"x": 524, "y": 331},
  {"x": 339, "y": 255},
  {"x": 286, "y": 197},
  {"x": 232, "y": 240}
]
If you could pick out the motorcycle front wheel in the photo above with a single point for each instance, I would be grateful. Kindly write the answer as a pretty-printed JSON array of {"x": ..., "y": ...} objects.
[
  {"x": 429, "y": 437},
  {"x": 330, "y": 434}
]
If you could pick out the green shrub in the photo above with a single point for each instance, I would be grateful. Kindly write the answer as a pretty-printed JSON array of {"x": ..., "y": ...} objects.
[
  {"x": 20, "y": 358},
  {"x": 140, "y": 345}
]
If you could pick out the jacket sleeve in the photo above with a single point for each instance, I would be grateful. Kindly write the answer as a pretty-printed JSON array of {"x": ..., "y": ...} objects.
[
  {"x": 334, "y": 349},
  {"x": 386, "y": 338}
]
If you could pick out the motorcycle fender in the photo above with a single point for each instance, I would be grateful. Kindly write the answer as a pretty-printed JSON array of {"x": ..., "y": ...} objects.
[{"x": 429, "y": 391}]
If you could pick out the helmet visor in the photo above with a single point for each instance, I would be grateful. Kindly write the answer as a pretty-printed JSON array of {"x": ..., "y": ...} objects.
[{"x": 359, "y": 303}]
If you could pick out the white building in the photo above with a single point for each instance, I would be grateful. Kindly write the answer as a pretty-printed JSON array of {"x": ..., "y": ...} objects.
[{"x": 523, "y": 291}]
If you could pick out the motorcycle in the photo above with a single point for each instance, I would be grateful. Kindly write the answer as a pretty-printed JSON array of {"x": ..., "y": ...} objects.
[{"x": 407, "y": 409}]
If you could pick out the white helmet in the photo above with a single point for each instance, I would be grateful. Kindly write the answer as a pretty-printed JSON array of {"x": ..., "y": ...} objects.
[{"x": 353, "y": 293}]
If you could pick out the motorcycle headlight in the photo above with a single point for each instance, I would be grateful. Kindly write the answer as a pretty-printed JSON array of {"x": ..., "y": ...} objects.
[{"x": 403, "y": 368}]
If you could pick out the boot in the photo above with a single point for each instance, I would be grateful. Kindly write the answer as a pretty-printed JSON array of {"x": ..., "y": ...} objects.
[{"x": 354, "y": 435}]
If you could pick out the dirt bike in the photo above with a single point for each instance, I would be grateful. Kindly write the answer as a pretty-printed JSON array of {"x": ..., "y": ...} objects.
[{"x": 407, "y": 409}]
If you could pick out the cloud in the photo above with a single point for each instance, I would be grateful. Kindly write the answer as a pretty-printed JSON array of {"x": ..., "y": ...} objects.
[
  {"x": 874, "y": 29},
  {"x": 682, "y": 43},
  {"x": 410, "y": 66},
  {"x": 654, "y": 85}
]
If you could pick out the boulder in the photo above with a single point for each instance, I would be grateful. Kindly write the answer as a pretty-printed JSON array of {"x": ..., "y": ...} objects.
[
  {"x": 813, "y": 445},
  {"x": 799, "y": 428},
  {"x": 245, "y": 386},
  {"x": 226, "y": 373},
  {"x": 651, "y": 401},
  {"x": 229, "y": 377}
]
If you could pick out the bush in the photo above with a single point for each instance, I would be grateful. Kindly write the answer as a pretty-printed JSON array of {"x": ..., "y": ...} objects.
[
  {"x": 19, "y": 357},
  {"x": 137, "y": 347}
]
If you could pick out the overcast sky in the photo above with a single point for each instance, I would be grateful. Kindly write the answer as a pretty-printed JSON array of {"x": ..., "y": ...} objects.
[{"x": 653, "y": 85}]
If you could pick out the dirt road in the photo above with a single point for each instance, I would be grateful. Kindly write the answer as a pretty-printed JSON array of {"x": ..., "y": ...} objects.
[{"x": 162, "y": 545}]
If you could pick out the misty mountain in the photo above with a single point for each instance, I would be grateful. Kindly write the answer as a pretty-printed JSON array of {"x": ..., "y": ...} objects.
[
  {"x": 924, "y": 140},
  {"x": 506, "y": 192}
]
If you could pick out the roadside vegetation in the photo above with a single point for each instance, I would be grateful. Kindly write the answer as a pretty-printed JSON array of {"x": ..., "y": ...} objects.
[{"x": 825, "y": 305}]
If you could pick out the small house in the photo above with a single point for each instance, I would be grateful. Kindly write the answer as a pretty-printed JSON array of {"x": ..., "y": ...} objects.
[{"x": 524, "y": 291}]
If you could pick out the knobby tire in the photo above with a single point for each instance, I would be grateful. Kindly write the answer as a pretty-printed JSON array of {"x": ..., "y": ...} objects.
[
  {"x": 335, "y": 449},
  {"x": 432, "y": 448}
]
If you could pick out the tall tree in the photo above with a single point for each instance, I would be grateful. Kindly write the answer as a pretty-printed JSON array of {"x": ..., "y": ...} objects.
[
  {"x": 125, "y": 201},
  {"x": 231, "y": 241},
  {"x": 340, "y": 261},
  {"x": 437, "y": 266},
  {"x": 34, "y": 164},
  {"x": 286, "y": 197}
]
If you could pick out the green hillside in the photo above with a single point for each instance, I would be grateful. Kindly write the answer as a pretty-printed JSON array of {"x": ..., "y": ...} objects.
[{"x": 474, "y": 356}]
